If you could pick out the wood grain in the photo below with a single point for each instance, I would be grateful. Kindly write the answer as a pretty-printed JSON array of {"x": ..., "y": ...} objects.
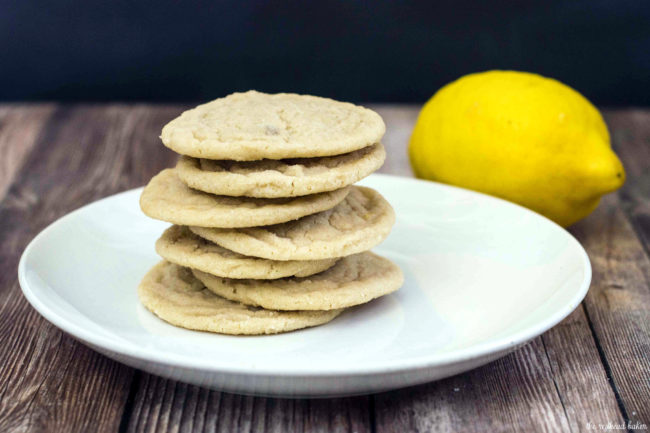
[
  {"x": 630, "y": 130},
  {"x": 618, "y": 302},
  {"x": 515, "y": 393},
  {"x": 579, "y": 375},
  {"x": 20, "y": 125},
  {"x": 49, "y": 382},
  {"x": 163, "y": 405}
]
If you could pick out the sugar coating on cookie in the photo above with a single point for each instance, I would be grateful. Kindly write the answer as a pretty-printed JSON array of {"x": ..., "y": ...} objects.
[
  {"x": 354, "y": 280},
  {"x": 280, "y": 178},
  {"x": 357, "y": 224},
  {"x": 167, "y": 198},
  {"x": 173, "y": 294},
  {"x": 182, "y": 247},
  {"x": 252, "y": 125}
]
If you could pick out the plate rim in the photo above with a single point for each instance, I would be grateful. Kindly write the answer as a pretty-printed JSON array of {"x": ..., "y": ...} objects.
[{"x": 417, "y": 363}]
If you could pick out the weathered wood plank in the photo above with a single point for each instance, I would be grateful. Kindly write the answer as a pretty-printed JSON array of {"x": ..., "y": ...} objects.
[
  {"x": 579, "y": 374},
  {"x": 630, "y": 131},
  {"x": 618, "y": 303},
  {"x": 20, "y": 125},
  {"x": 515, "y": 393},
  {"x": 49, "y": 382},
  {"x": 163, "y": 405}
]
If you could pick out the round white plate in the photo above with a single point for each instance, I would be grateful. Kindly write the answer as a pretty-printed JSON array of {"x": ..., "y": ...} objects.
[{"x": 483, "y": 276}]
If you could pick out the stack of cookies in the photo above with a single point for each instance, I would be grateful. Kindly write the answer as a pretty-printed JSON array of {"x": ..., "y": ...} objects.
[{"x": 269, "y": 233}]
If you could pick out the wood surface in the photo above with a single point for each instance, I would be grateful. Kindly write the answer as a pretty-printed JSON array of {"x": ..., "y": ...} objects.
[{"x": 594, "y": 367}]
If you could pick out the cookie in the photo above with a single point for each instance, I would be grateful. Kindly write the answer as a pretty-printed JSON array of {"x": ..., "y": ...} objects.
[
  {"x": 354, "y": 280},
  {"x": 357, "y": 224},
  {"x": 182, "y": 247},
  {"x": 280, "y": 178},
  {"x": 173, "y": 294},
  {"x": 167, "y": 198},
  {"x": 253, "y": 125}
]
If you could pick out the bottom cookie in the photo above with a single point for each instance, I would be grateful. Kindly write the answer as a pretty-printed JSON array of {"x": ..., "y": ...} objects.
[{"x": 173, "y": 294}]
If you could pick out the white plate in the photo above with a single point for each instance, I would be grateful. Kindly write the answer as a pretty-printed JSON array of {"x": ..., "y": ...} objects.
[{"x": 483, "y": 276}]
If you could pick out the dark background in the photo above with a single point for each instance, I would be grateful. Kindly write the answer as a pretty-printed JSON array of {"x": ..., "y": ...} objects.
[{"x": 361, "y": 51}]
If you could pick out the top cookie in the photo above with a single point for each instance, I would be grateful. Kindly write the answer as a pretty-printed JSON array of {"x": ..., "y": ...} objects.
[{"x": 253, "y": 125}]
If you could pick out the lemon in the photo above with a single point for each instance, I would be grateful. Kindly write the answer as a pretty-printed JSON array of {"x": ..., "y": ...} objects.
[{"x": 520, "y": 136}]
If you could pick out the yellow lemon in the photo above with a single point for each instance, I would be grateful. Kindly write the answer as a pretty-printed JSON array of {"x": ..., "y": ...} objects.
[{"x": 520, "y": 136}]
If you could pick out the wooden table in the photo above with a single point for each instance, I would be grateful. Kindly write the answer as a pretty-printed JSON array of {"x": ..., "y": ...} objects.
[{"x": 593, "y": 368}]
